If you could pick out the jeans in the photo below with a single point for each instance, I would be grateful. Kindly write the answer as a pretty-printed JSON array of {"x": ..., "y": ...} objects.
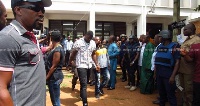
[
  {"x": 113, "y": 67},
  {"x": 82, "y": 74},
  {"x": 196, "y": 94},
  {"x": 54, "y": 90},
  {"x": 99, "y": 86}
]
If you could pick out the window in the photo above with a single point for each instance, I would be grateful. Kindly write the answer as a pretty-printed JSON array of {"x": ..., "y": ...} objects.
[
  {"x": 105, "y": 29},
  {"x": 69, "y": 27}
]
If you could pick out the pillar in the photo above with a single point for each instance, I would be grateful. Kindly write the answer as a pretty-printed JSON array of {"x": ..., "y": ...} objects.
[
  {"x": 141, "y": 22},
  {"x": 129, "y": 29},
  {"x": 92, "y": 19}
]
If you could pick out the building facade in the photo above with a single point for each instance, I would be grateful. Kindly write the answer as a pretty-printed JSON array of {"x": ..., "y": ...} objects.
[{"x": 107, "y": 17}]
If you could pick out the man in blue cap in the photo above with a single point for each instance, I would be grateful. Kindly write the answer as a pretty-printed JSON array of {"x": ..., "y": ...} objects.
[{"x": 22, "y": 70}]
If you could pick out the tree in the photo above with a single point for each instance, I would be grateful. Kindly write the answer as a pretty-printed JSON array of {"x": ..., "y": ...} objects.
[{"x": 176, "y": 18}]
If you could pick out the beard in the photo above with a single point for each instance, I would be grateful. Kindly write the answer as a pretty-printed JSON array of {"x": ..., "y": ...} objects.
[
  {"x": 2, "y": 25},
  {"x": 37, "y": 25}
]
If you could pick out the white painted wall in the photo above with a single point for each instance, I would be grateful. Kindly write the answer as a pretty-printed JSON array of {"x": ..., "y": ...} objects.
[{"x": 162, "y": 20}]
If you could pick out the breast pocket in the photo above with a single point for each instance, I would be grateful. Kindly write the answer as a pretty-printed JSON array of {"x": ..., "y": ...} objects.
[{"x": 34, "y": 56}]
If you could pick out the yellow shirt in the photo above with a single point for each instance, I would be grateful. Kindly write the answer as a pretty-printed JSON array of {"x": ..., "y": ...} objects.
[
  {"x": 185, "y": 67},
  {"x": 102, "y": 57}
]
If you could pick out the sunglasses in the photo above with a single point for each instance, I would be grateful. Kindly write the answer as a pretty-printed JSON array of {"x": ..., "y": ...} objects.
[{"x": 34, "y": 8}]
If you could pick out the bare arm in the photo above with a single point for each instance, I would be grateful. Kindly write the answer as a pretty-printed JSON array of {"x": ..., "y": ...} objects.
[
  {"x": 56, "y": 60},
  {"x": 5, "y": 79},
  {"x": 94, "y": 58},
  {"x": 136, "y": 57},
  {"x": 176, "y": 67},
  {"x": 72, "y": 56}
]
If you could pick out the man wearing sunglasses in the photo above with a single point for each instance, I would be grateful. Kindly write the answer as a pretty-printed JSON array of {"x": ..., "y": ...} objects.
[{"x": 22, "y": 71}]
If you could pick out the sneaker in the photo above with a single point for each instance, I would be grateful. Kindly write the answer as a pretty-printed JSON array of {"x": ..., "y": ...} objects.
[
  {"x": 133, "y": 88},
  {"x": 101, "y": 92},
  {"x": 85, "y": 104},
  {"x": 127, "y": 87}
]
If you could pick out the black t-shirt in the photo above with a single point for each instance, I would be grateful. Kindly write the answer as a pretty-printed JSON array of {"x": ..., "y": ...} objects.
[{"x": 58, "y": 72}]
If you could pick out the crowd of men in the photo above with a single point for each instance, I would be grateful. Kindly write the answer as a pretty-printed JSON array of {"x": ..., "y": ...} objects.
[{"x": 152, "y": 58}]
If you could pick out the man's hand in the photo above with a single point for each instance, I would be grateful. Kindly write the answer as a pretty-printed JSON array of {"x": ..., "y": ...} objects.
[
  {"x": 97, "y": 68},
  {"x": 172, "y": 80},
  {"x": 108, "y": 66},
  {"x": 131, "y": 63},
  {"x": 183, "y": 52}
]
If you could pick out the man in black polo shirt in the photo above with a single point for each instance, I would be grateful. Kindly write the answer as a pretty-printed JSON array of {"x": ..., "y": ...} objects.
[{"x": 22, "y": 71}]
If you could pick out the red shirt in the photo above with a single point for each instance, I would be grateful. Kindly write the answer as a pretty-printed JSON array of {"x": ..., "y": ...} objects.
[{"x": 195, "y": 54}]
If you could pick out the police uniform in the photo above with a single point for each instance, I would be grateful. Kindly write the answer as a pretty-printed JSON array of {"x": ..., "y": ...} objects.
[
  {"x": 165, "y": 60},
  {"x": 121, "y": 54},
  {"x": 129, "y": 56}
]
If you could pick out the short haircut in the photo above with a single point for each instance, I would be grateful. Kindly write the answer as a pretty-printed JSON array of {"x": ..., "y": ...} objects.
[
  {"x": 1, "y": 8},
  {"x": 17, "y": 4},
  {"x": 113, "y": 38},
  {"x": 90, "y": 33},
  {"x": 193, "y": 28},
  {"x": 55, "y": 35}
]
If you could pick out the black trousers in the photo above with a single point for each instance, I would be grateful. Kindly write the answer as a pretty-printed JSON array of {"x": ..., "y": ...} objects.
[
  {"x": 124, "y": 76},
  {"x": 67, "y": 57},
  {"x": 83, "y": 78},
  {"x": 196, "y": 94}
]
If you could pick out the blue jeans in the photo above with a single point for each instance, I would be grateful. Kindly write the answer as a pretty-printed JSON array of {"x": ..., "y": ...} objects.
[
  {"x": 54, "y": 90},
  {"x": 99, "y": 86},
  {"x": 113, "y": 67}
]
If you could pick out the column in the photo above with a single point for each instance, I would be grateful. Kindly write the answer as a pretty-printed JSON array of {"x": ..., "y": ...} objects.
[
  {"x": 141, "y": 22},
  {"x": 92, "y": 19},
  {"x": 129, "y": 29}
]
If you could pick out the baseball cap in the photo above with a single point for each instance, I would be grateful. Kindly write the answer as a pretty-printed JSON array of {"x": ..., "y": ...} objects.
[
  {"x": 165, "y": 34},
  {"x": 132, "y": 37},
  {"x": 46, "y": 3}
]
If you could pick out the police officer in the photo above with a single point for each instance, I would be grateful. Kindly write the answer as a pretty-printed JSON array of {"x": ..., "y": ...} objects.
[
  {"x": 166, "y": 66},
  {"x": 123, "y": 39},
  {"x": 130, "y": 61}
]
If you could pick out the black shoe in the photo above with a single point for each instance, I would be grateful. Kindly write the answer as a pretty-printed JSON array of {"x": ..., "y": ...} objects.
[
  {"x": 106, "y": 86},
  {"x": 92, "y": 83},
  {"x": 123, "y": 80},
  {"x": 110, "y": 88},
  {"x": 73, "y": 87},
  {"x": 156, "y": 102},
  {"x": 85, "y": 104}
]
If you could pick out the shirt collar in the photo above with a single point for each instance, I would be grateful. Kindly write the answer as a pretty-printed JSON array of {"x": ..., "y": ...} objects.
[
  {"x": 192, "y": 36},
  {"x": 20, "y": 29}
]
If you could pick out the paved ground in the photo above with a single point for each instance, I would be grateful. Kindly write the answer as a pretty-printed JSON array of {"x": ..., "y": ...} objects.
[{"x": 119, "y": 96}]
